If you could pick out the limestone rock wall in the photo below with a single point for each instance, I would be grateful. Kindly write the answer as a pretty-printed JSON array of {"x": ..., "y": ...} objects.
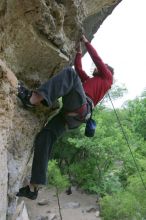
[
  {"x": 17, "y": 131},
  {"x": 38, "y": 36},
  {"x": 37, "y": 39}
]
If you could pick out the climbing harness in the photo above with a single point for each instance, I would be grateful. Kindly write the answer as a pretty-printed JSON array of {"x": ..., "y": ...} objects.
[
  {"x": 127, "y": 142},
  {"x": 78, "y": 116}
]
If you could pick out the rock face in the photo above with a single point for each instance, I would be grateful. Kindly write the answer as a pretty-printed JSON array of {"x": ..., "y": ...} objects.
[{"x": 37, "y": 39}]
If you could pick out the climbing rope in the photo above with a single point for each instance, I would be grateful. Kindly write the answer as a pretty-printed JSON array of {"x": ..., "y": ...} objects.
[{"x": 127, "y": 142}]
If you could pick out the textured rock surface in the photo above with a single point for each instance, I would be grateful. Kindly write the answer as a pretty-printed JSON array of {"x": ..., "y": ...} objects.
[
  {"x": 37, "y": 39},
  {"x": 17, "y": 130},
  {"x": 38, "y": 36}
]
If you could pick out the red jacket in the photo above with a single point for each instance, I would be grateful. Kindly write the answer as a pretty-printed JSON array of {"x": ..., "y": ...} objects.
[{"x": 97, "y": 86}]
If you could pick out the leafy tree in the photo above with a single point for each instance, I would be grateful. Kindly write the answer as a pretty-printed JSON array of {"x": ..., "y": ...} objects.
[
  {"x": 137, "y": 113},
  {"x": 128, "y": 204},
  {"x": 104, "y": 164},
  {"x": 138, "y": 189},
  {"x": 121, "y": 206}
]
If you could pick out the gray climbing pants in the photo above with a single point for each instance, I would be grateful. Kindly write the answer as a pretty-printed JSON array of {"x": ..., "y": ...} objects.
[{"x": 67, "y": 85}]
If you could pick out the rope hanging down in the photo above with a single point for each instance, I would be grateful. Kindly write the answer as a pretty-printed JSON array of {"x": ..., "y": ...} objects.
[{"x": 127, "y": 142}]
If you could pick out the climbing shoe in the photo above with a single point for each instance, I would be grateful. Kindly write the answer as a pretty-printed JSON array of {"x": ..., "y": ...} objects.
[
  {"x": 24, "y": 95},
  {"x": 26, "y": 192}
]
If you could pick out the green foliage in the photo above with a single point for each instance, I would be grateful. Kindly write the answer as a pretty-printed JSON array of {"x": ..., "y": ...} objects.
[
  {"x": 121, "y": 206},
  {"x": 104, "y": 164},
  {"x": 137, "y": 113},
  {"x": 138, "y": 189},
  {"x": 111, "y": 183},
  {"x": 85, "y": 174},
  {"x": 129, "y": 204},
  {"x": 55, "y": 177}
]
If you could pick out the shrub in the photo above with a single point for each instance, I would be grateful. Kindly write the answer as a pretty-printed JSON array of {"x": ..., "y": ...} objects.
[
  {"x": 137, "y": 188},
  {"x": 120, "y": 206}
]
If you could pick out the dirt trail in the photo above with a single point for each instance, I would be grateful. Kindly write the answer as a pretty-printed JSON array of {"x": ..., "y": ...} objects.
[{"x": 39, "y": 212}]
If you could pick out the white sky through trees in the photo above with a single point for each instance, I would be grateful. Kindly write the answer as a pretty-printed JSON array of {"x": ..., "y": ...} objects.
[{"x": 121, "y": 42}]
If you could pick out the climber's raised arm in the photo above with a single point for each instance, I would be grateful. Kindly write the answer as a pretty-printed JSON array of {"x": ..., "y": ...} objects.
[
  {"x": 102, "y": 68},
  {"x": 78, "y": 64}
]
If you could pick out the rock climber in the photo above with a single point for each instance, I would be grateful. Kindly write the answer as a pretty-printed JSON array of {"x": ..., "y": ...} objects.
[{"x": 79, "y": 94}]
